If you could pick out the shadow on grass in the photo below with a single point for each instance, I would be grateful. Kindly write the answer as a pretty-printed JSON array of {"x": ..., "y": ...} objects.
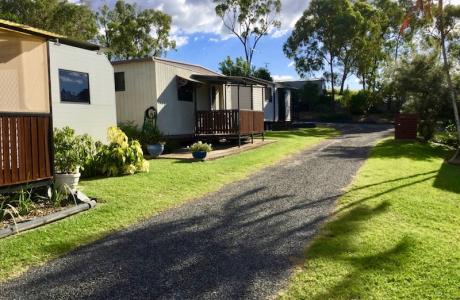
[
  {"x": 338, "y": 243},
  {"x": 448, "y": 178}
]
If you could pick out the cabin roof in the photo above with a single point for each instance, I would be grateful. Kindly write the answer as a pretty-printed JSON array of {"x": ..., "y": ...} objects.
[{"x": 8, "y": 25}]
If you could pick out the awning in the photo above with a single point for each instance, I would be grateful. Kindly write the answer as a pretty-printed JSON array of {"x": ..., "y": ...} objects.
[
  {"x": 181, "y": 81},
  {"x": 222, "y": 79}
]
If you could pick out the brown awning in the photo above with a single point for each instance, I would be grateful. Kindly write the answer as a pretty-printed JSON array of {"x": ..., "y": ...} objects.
[{"x": 222, "y": 79}]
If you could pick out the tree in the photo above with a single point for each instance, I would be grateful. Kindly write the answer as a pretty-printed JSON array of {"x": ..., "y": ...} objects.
[
  {"x": 323, "y": 37},
  {"x": 69, "y": 19},
  {"x": 262, "y": 73},
  {"x": 129, "y": 32},
  {"x": 424, "y": 90},
  {"x": 249, "y": 20},
  {"x": 241, "y": 68},
  {"x": 445, "y": 19},
  {"x": 238, "y": 68}
]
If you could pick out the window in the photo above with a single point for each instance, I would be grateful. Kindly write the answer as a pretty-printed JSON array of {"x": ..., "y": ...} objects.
[
  {"x": 74, "y": 86},
  {"x": 213, "y": 96},
  {"x": 119, "y": 81},
  {"x": 185, "y": 91}
]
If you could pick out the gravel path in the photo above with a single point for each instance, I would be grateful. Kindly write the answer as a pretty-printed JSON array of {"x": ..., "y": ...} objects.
[{"x": 240, "y": 242}]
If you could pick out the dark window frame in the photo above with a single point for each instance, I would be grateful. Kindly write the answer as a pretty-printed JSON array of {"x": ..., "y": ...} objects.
[
  {"x": 192, "y": 91},
  {"x": 120, "y": 83},
  {"x": 71, "y": 101}
]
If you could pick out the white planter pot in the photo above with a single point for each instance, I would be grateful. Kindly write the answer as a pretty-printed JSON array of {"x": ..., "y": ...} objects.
[{"x": 67, "y": 181}]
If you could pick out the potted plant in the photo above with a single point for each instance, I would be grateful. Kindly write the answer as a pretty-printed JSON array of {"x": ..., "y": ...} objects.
[
  {"x": 69, "y": 156},
  {"x": 200, "y": 150},
  {"x": 153, "y": 140}
]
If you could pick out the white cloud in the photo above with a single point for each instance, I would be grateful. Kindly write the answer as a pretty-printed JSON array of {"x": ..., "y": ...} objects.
[
  {"x": 214, "y": 40},
  {"x": 198, "y": 16},
  {"x": 181, "y": 40},
  {"x": 282, "y": 77},
  {"x": 291, "y": 64}
]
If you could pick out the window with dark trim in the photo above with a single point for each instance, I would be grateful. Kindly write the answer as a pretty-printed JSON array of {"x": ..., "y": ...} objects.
[
  {"x": 120, "y": 81},
  {"x": 185, "y": 92},
  {"x": 213, "y": 96},
  {"x": 74, "y": 86}
]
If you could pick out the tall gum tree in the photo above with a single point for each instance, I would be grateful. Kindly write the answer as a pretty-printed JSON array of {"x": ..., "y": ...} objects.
[
  {"x": 322, "y": 38},
  {"x": 249, "y": 21}
]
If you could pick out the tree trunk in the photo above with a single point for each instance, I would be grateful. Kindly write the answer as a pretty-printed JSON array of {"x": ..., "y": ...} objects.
[
  {"x": 452, "y": 92},
  {"x": 332, "y": 80},
  {"x": 344, "y": 78}
]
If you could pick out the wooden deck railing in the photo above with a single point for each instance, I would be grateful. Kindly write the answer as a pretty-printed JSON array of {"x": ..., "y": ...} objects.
[
  {"x": 24, "y": 149},
  {"x": 229, "y": 122}
]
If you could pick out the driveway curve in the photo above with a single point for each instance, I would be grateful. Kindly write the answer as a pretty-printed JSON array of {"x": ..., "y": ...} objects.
[{"x": 240, "y": 242}]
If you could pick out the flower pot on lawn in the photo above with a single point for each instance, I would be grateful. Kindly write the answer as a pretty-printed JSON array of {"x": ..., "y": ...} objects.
[
  {"x": 64, "y": 182},
  {"x": 201, "y": 155},
  {"x": 155, "y": 150}
]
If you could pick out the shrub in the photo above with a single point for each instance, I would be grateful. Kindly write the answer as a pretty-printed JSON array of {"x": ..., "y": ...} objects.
[
  {"x": 448, "y": 136},
  {"x": 71, "y": 151},
  {"x": 359, "y": 103},
  {"x": 131, "y": 130},
  {"x": 119, "y": 157},
  {"x": 151, "y": 135},
  {"x": 200, "y": 147}
]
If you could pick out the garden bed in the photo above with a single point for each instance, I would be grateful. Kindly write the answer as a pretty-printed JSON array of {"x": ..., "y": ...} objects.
[{"x": 26, "y": 210}]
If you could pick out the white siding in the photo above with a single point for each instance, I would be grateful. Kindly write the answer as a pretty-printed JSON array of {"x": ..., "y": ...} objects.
[
  {"x": 176, "y": 117},
  {"x": 139, "y": 91},
  {"x": 258, "y": 98},
  {"x": 93, "y": 118}
]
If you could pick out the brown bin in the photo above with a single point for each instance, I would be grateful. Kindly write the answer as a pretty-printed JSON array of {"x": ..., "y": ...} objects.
[{"x": 406, "y": 126}]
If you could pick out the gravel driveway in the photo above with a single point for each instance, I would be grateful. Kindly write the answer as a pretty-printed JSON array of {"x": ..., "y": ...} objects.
[{"x": 240, "y": 242}]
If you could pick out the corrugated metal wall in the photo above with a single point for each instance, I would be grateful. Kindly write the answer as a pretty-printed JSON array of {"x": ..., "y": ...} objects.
[{"x": 139, "y": 91}]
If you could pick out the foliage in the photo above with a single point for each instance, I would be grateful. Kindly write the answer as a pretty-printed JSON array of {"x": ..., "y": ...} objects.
[
  {"x": 63, "y": 17},
  {"x": 397, "y": 221},
  {"x": 7, "y": 211},
  {"x": 249, "y": 20},
  {"x": 358, "y": 103},
  {"x": 238, "y": 68},
  {"x": 311, "y": 98},
  {"x": 131, "y": 130},
  {"x": 315, "y": 42},
  {"x": 151, "y": 134},
  {"x": 421, "y": 84},
  {"x": 119, "y": 157},
  {"x": 71, "y": 151},
  {"x": 129, "y": 200},
  {"x": 200, "y": 147},
  {"x": 58, "y": 197},
  {"x": 129, "y": 32},
  {"x": 448, "y": 136},
  {"x": 24, "y": 202},
  {"x": 263, "y": 73}
]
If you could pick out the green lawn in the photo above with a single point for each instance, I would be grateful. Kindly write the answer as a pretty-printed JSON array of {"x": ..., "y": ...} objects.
[
  {"x": 395, "y": 234},
  {"x": 127, "y": 200}
]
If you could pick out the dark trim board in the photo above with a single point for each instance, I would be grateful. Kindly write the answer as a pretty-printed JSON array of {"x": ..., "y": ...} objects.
[{"x": 22, "y": 186}]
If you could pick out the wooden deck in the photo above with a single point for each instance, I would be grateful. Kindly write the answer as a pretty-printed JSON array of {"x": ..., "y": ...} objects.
[
  {"x": 229, "y": 123},
  {"x": 25, "y": 150}
]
